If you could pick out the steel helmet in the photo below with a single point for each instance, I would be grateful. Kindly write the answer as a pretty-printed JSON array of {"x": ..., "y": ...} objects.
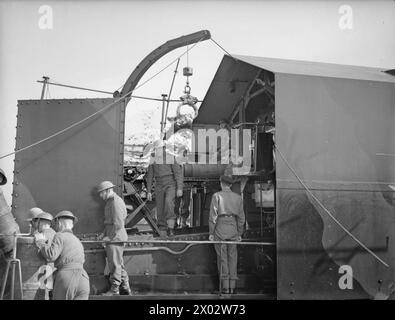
[
  {"x": 33, "y": 213},
  {"x": 4, "y": 178},
  {"x": 45, "y": 216},
  {"x": 105, "y": 185},
  {"x": 66, "y": 215}
]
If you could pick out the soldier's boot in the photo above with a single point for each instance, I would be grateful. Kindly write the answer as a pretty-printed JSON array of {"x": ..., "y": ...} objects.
[
  {"x": 114, "y": 291},
  {"x": 170, "y": 225},
  {"x": 183, "y": 223},
  {"x": 225, "y": 286},
  {"x": 232, "y": 286},
  {"x": 124, "y": 289},
  {"x": 162, "y": 233}
]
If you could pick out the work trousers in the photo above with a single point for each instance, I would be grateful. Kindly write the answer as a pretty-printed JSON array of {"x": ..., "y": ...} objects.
[
  {"x": 71, "y": 284},
  {"x": 165, "y": 195},
  {"x": 226, "y": 260},
  {"x": 182, "y": 204},
  {"x": 118, "y": 274}
]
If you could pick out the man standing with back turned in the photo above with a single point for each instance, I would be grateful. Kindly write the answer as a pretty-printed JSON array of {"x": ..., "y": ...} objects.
[
  {"x": 66, "y": 250},
  {"x": 114, "y": 230},
  {"x": 226, "y": 223}
]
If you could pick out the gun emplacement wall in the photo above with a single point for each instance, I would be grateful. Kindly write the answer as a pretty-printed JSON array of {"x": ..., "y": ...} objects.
[
  {"x": 337, "y": 135},
  {"x": 62, "y": 173}
]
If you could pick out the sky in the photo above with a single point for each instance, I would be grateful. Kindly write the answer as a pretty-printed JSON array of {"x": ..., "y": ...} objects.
[{"x": 97, "y": 44}]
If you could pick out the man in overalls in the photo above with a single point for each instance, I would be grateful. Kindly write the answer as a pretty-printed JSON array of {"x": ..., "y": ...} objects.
[
  {"x": 169, "y": 180},
  {"x": 226, "y": 222},
  {"x": 67, "y": 253}
]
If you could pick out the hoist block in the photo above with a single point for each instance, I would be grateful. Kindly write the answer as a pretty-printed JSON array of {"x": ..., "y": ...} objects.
[{"x": 187, "y": 71}]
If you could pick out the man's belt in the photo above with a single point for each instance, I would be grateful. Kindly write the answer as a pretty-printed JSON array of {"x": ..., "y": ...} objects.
[{"x": 71, "y": 266}]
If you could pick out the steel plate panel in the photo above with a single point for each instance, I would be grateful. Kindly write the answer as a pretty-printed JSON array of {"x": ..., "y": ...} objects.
[
  {"x": 334, "y": 132},
  {"x": 62, "y": 173}
]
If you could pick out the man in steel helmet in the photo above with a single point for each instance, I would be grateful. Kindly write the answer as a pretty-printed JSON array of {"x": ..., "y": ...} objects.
[
  {"x": 44, "y": 221},
  {"x": 33, "y": 221},
  {"x": 114, "y": 230},
  {"x": 67, "y": 253}
]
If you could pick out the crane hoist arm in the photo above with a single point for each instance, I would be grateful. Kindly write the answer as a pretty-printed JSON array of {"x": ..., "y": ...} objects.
[{"x": 159, "y": 52}]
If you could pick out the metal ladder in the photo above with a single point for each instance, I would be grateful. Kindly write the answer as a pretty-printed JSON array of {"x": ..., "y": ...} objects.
[
  {"x": 142, "y": 211},
  {"x": 11, "y": 264}
]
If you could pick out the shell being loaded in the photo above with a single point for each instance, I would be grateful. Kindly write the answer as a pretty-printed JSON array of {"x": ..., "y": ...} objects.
[{"x": 8, "y": 226}]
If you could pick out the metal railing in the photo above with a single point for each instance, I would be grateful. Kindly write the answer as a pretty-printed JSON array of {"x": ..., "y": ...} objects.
[
  {"x": 11, "y": 264},
  {"x": 13, "y": 261},
  {"x": 189, "y": 244}
]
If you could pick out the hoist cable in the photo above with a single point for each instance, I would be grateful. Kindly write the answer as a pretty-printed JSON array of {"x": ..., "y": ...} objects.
[
  {"x": 170, "y": 91},
  {"x": 188, "y": 65}
]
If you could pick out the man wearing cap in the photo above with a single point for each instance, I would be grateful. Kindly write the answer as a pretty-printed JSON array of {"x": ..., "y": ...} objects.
[
  {"x": 169, "y": 180},
  {"x": 114, "y": 230},
  {"x": 226, "y": 222},
  {"x": 67, "y": 253}
]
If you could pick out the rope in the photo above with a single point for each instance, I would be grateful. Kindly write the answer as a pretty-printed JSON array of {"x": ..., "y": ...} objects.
[
  {"x": 106, "y": 92},
  {"x": 187, "y": 84},
  {"x": 67, "y": 128},
  {"x": 327, "y": 211},
  {"x": 75, "y": 87},
  {"x": 223, "y": 49}
]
